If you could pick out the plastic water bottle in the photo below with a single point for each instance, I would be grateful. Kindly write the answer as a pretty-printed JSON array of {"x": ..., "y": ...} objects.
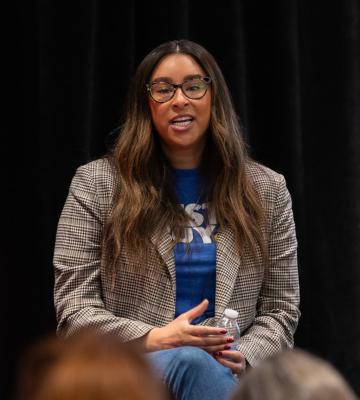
[{"x": 228, "y": 321}]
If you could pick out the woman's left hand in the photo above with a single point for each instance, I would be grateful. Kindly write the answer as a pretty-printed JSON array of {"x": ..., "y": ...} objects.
[{"x": 232, "y": 359}]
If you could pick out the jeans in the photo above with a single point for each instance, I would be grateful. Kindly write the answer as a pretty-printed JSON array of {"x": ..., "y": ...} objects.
[{"x": 192, "y": 374}]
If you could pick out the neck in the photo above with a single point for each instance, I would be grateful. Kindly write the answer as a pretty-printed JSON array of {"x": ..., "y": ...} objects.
[
  {"x": 180, "y": 162},
  {"x": 184, "y": 158}
]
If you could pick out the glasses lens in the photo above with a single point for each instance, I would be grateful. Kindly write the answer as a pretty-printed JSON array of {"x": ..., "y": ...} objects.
[
  {"x": 195, "y": 88},
  {"x": 161, "y": 91}
]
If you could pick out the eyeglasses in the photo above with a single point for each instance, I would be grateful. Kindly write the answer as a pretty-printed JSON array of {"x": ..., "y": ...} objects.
[{"x": 194, "y": 88}]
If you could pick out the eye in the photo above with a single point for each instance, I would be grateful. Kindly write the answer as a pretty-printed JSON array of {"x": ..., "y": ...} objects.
[
  {"x": 162, "y": 88},
  {"x": 194, "y": 86}
]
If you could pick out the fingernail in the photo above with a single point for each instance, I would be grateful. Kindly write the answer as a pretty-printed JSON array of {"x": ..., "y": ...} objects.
[
  {"x": 229, "y": 340},
  {"x": 227, "y": 347},
  {"x": 223, "y": 331},
  {"x": 218, "y": 354}
]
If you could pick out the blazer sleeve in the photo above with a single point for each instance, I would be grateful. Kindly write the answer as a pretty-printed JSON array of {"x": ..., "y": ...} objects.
[
  {"x": 277, "y": 308},
  {"x": 77, "y": 255}
]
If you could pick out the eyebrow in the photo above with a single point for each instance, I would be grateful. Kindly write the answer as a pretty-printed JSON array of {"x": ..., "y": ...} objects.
[{"x": 169, "y": 80}]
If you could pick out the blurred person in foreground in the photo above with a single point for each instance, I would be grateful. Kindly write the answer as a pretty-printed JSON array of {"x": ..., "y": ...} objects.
[
  {"x": 294, "y": 375},
  {"x": 86, "y": 366}
]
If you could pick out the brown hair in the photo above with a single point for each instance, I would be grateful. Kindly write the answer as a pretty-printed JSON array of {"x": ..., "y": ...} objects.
[
  {"x": 87, "y": 366},
  {"x": 295, "y": 375},
  {"x": 145, "y": 198}
]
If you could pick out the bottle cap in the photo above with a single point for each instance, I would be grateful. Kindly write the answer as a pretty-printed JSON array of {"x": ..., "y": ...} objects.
[{"x": 231, "y": 313}]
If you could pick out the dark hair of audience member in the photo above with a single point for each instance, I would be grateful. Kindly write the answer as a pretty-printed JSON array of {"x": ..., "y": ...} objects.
[
  {"x": 294, "y": 375},
  {"x": 87, "y": 367}
]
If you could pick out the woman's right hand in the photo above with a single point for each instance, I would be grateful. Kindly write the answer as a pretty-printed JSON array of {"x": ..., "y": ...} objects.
[{"x": 181, "y": 332}]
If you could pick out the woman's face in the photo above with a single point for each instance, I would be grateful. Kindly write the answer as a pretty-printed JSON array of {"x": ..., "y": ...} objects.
[{"x": 186, "y": 138}]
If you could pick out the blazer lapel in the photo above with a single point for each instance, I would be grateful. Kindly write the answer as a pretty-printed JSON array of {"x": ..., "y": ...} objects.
[
  {"x": 164, "y": 245},
  {"x": 227, "y": 266}
]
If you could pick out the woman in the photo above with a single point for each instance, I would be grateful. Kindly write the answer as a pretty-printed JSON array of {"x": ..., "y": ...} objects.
[{"x": 176, "y": 224}]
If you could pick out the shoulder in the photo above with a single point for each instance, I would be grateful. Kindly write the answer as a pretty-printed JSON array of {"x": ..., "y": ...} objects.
[
  {"x": 98, "y": 178},
  {"x": 99, "y": 169},
  {"x": 263, "y": 176},
  {"x": 268, "y": 183}
]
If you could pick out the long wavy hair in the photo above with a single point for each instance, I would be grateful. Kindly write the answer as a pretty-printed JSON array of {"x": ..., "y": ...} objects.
[{"x": 145, "y": 201}]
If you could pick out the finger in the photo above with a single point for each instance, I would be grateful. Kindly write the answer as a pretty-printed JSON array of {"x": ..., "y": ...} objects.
[
  {"x": 201, "y": 330},
  {"x": 212, "y": 344},
  {"x": 216, "y": 349},
  {"x": 219, "y": 342},
  {"x": 197, "y": 310},
  {"x": 236, "y": 368},
  {"x": 233, "y": 356}
]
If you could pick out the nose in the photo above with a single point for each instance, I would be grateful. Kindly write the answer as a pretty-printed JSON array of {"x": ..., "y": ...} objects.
[{"x": 179, "y": 99}]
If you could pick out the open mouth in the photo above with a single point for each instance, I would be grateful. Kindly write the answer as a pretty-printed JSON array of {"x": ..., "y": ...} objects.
[{"x": 182, "y": 121}]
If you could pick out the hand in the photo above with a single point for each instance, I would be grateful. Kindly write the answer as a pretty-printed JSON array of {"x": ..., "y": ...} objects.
[
  {"x": 180, "y": 332},
  {"x": 232, "y": 359}
]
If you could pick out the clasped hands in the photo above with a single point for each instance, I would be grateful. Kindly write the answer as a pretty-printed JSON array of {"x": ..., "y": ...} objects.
[{"x": 180, "y": 332}]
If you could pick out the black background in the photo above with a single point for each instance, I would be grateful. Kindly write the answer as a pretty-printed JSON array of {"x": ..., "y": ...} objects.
[{"x": 293, "y": 68}]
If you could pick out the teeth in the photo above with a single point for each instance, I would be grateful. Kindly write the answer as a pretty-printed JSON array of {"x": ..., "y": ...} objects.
[{"x": 182, "y": 121}]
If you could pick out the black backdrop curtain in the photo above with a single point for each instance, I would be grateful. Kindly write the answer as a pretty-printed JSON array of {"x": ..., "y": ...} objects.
[{"x": 293, "y": 69}]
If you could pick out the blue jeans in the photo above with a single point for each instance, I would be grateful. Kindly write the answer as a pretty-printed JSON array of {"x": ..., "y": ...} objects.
[{"x": 192, "y": 374}]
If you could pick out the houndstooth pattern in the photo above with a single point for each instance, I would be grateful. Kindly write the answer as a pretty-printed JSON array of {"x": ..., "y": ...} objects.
[{"x": 144, "y": 294}]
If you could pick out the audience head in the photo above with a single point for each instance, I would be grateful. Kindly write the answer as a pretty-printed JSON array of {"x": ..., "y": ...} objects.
[
  {"x": 293, "y": 375},
  {"x": 87, "y": 367}
]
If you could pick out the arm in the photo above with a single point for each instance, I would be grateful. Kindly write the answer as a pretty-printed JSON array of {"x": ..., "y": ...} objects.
[
  {"x": 277, "y": 308},
  {"x": 77, "y": 291}
]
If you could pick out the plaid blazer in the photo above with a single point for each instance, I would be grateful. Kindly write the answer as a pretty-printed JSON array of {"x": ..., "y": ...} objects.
[{"x": 144, "y": 295}]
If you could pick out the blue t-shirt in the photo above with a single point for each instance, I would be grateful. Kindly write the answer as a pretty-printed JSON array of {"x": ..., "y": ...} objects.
[{"x": 195, "y": 254}]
